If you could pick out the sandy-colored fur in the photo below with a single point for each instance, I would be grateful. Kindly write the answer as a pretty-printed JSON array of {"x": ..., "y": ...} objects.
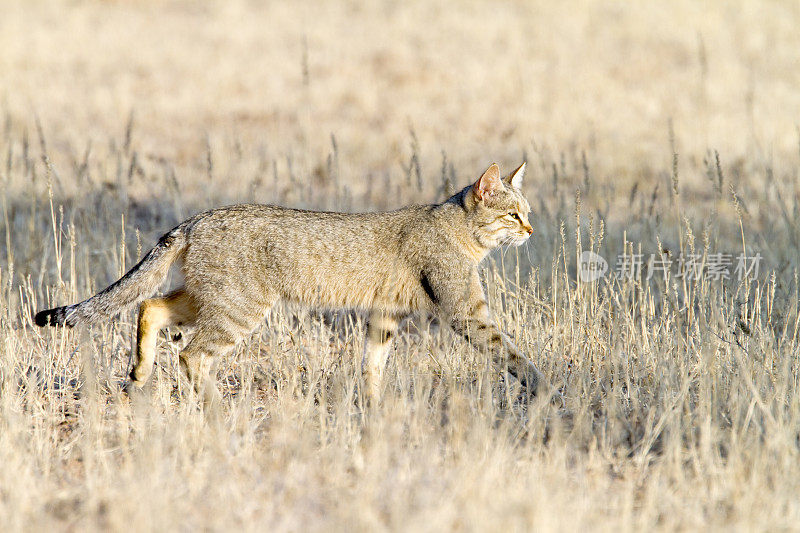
[
  {"x": 238, "y": 261},
  {"x": 155, "y": 314}
]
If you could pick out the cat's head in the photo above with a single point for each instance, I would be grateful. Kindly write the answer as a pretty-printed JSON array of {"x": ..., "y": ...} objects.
[{"x": 497, "y": 210}]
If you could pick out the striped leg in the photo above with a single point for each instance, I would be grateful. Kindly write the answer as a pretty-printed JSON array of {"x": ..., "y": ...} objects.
[
  {"x": 478, "y": 327},
  {"x": 154, "y": 315},
  {"x": 380, "y": 330},
  {"x": 466, "y": 307}
]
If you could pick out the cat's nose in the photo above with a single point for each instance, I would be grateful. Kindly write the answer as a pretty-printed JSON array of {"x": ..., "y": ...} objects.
[{"x": 529, "y": 229}]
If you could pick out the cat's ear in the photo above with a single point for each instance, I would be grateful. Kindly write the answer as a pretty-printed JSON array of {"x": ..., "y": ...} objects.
[
  {"x": 488, "y": 184},
  {"x": 515, "y": 178}
]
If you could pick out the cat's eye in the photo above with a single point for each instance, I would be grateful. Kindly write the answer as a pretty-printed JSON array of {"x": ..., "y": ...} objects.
[{"x": 515, "y": 216}]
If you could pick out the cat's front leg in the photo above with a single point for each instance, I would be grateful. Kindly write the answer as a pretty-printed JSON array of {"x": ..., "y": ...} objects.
[
  {"x": 485, "y": 336},
  {"x": 521, "y": 367},
  {"x": 381, "y": 328},
  {"x": 479, "y": 329}
]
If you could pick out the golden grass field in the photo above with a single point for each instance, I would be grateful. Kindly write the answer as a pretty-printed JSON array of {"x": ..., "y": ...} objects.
[{"x": 646, "y": 126}]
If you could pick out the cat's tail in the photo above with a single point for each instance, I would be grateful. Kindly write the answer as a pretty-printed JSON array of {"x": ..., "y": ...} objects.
[{"x": 139, "y": 283}]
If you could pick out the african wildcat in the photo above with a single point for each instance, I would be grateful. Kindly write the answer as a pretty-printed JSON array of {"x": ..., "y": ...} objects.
[{"x": 239, "y": 260}]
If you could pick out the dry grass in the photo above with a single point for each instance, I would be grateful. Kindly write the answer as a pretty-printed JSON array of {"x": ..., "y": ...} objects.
[{"x": 122, "y": 118}]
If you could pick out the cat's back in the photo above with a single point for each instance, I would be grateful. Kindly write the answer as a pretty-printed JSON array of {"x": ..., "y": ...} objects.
[
  {"x": 277, "y": 222},
  {"x": 328, "y": 258},
  {"x": 324, "y": 237}
]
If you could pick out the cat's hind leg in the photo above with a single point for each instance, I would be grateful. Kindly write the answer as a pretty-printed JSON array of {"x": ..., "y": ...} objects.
[
  {"x": 198, "y": 360},
  {"x": 381, "y": 327},
  {"x": 177, "y": 308},
  {"x": 221, "y": 324}
]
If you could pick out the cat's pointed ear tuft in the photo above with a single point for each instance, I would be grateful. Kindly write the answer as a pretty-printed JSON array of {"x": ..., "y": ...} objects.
[
  {"x": 488, "y": 183},
  {"x": 515, "y": 178}
]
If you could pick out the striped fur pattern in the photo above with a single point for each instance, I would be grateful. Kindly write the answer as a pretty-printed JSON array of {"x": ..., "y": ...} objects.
[{"x": 238, "y": 261}]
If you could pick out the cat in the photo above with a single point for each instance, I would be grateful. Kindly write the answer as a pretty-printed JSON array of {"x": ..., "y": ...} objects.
[{"x": 240, "y": 260}]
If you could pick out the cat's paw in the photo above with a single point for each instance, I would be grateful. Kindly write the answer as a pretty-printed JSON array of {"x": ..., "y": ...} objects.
[{"x": 557, "y": 399}]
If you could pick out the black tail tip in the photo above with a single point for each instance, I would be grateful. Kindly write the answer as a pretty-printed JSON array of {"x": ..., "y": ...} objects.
[
  {"x": 42, "y": 318},
  {"x": 50, "y": 317}
]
